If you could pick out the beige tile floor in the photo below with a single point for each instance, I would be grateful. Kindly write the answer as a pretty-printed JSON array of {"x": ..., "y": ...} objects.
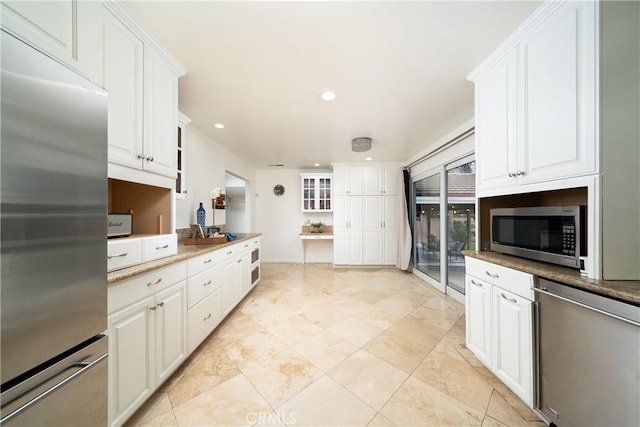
[{"x": 317, "y": 346}]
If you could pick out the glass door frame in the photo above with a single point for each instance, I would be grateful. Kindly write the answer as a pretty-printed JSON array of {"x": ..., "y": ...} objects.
[{"x": 442, "y": 169}]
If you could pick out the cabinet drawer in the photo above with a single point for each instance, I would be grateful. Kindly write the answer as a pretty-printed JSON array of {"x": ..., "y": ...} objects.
[
  {"x": 159, "y": 247},
  {"x": 123, "y": 253},
  {"x": 202, "y": 284},
  {"x": 202, "y": 262},
  {"x": 203, "y": 318},
  {"x": 515, "y": 281},
  {"x": 144, "y": 285}
]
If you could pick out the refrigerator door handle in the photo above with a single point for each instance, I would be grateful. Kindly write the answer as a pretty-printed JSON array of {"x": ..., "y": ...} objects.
[{"x": 82, "y": 368}]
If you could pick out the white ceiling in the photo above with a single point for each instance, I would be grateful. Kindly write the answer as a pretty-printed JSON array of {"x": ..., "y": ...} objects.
[{"x": 398, "y": 69}]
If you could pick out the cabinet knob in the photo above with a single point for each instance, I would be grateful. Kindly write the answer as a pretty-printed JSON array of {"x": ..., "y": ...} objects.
[
  {"x": 160, "y": 304},
  {"x": 512, "y": 175},
  {"x": 141, "y": 156},
  {"x": 520, "y": 173},
  {"x": 150, "y": 159},
  {"x": 153, "y": 308}
]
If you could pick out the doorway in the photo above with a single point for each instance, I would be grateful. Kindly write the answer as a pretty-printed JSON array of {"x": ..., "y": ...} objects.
[
  {"x": 444, "y": 211},
  {"x": 237, "y": 204}
]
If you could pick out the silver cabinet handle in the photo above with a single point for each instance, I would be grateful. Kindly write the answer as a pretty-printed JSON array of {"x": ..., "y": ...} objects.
[
  {"x": 207, "y": 261},
  {"x": 495, "y": 276},
  {"x": 153, "y": 308},
  {"x": 513, "y": 300},
  {"x": 477, "y": 284},
  {"x": 512, "y": 175},
  {"x": 246, "y": 246},
  {"x": 141, "y": 156},
  {"x": 162, "y": 247},
  {"x": 161, "y": 304},
  {"x": 207, "y": 318},
  {"x": 229, "y": 253},
  {"x": 155, "y": 283},
  {"x": 207, "y": 283},
  {"x": 239, "y": 261},
  {"x": 150, "y": 159},
  {"x": 520, "y": 173},
  {"x": 118, "y": 256}
]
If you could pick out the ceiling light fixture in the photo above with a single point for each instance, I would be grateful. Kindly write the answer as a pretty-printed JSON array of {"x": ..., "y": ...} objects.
[
  {"x": 369, "y": 159},
  {"x": 327, "y": 95},
  {"x": 219, "y": 126},
  {"x": 361, "y": 144},
  {"x": 316, "y": 164}
]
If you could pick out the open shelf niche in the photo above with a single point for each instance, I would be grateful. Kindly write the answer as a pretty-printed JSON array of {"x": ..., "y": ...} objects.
[{"x": 151, "y": 206}]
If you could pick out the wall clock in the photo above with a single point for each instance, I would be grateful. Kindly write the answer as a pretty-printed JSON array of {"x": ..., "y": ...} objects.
[{"x": 278, "y": 190}]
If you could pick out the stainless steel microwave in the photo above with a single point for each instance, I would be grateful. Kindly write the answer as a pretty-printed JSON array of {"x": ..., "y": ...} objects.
[{"x": 554, "y": 234}]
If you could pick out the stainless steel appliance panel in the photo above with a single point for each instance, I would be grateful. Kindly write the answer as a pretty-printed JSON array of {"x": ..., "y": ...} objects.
[
  {"x": 53, "y": 212},
  {"x": 71, "y": 392},
  {"x": 589, "y": 358}
]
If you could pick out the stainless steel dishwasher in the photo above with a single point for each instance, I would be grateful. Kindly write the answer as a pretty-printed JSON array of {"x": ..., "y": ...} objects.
[{"x": 588, "y": 357}]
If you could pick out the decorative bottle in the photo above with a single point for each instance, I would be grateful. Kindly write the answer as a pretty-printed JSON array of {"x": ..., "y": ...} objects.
[{"x": 201, "y": 213}]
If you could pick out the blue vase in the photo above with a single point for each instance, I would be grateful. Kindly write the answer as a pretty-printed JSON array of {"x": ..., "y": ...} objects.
[{"x": 201, "y": 213}]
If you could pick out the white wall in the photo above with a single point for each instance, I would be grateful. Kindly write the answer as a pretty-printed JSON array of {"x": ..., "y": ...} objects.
[
  {"x": 205, "y": 168},
  {"x": 280, "y": 219}
]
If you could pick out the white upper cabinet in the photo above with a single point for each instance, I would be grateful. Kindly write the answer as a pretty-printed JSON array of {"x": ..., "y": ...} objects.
[
  {"x": 536, "y": 103},
  {"x": 496, "y": 132},
  {"x": 123, "y": 79},
  {"x": 558, "y": 68},
  {"x": 160, "y": 115},
  {"x": 347, "y": 180},
  {"x": 380, "y": 179},
  {"x": 50, "y": 25},
  {"x": 316, "y": 193}
]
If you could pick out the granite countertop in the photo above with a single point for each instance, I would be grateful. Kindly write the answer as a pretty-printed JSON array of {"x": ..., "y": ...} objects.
[
  {"x": 184, "y": 252},
  {"x": 624, "y": 290}
]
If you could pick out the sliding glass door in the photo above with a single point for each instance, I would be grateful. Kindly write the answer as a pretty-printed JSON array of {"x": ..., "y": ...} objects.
[
  {"x": 444, "y": 223},
  {"x": 461, "y": 219},
  {"x": 427, "y": 225}
]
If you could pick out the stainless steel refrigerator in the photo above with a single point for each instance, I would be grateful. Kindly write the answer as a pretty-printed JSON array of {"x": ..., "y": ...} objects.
[{"x": 53, "y": 215}]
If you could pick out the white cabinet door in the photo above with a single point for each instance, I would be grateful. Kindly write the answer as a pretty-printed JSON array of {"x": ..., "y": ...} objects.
[
  {"x": 203, "y": 318},
  {"x": 390, "y": 229},
  {"x": 496, "y": 132},
  {"x": 50, "y": 25},
  {"x": 160, "y": 116},
  {"x": 372, "y": 215},
  {"x": 513, "y": 349},
  {"x": 379, "y": 179},
  {"x": 123, "y": 79},
  {"x": 230, "y": 291},
  {"x": 171, "y": 328},
  {"x": 389, "y": 175},
  {"x": 348, "y": 229},
  {"x": 478, "y": 318},
  {"x": 347, "y": 180},
  {"x": 371, "y": 180},
  {"x": 559, "y": 64},
  {"x": 244, "y": 274},
  {"x": 131, "y": 352}
]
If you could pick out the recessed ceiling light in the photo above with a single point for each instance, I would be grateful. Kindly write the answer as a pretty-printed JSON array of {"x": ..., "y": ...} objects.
[
  {"x": 369, "y": 158},
  {"x": 327, "y": 95},
  {"x": 219, "y": 126},
  {"x": 316, "y": 164}
]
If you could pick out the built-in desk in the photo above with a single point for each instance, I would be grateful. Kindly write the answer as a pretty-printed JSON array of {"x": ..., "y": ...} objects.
[{"x": 307, "y": 235}]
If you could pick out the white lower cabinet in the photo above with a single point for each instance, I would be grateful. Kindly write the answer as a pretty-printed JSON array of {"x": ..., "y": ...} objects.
[
  {"x": 499, "y": 323},
  {"x": 157, "y": 319},
  {"x": 147, "y": 337}
]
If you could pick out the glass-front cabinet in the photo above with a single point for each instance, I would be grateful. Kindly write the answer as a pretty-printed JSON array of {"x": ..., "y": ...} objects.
[{"x": 316, "y": 193}]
